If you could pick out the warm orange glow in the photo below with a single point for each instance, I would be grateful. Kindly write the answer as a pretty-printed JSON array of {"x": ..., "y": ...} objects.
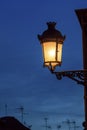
[
  {"x": 59, "y": 54},
  {"x": 52, "y": 53},
  {"x": 49, "y": 51}
]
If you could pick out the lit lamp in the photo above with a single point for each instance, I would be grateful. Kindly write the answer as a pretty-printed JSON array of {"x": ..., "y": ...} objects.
[{"x": 52, "y": 42}]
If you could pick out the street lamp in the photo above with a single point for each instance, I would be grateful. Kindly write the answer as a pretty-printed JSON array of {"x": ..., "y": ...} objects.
[{"x": 52, "y": 43}]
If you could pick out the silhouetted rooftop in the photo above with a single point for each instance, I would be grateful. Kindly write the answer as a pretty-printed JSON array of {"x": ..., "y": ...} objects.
[{"x": 11, "y": 123}]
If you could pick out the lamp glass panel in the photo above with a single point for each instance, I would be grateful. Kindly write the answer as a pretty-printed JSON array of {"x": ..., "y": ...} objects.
[
  {"x": 59, "y": 52},
  {"x": 49, "y": 50}
]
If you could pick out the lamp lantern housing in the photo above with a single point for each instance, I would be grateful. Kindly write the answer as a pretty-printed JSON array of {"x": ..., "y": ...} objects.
[{"x": 52, "y": 42}]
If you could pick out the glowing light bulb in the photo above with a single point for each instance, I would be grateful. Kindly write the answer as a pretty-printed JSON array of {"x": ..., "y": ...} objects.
[{"x": 52, "y": 53}]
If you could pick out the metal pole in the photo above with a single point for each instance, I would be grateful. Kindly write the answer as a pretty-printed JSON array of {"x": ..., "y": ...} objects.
[
  {"x": 46, "y": 119},
  {"x": 82, "y": 16}
]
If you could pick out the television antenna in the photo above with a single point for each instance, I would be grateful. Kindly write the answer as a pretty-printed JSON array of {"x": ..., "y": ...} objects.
[{"x": 21, "y": 110}]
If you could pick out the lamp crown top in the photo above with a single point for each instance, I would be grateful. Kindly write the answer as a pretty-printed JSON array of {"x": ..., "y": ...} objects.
[
  {"x": 51, "y": 34},
  {"x": 51, "y": 25}
]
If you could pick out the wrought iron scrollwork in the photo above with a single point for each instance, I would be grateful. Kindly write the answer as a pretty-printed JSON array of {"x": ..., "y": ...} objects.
[{"x": 80, "y": 76}]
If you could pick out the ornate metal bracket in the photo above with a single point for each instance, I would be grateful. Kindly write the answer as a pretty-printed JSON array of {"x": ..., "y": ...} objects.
[{"x": 80, "y": 76}]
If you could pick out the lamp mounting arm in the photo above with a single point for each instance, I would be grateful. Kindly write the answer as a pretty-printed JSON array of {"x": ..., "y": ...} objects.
[{"x": 76, "y": 75}]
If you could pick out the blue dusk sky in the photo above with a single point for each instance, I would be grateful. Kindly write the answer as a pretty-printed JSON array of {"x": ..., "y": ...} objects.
[{"x": 23, "y": 80}]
